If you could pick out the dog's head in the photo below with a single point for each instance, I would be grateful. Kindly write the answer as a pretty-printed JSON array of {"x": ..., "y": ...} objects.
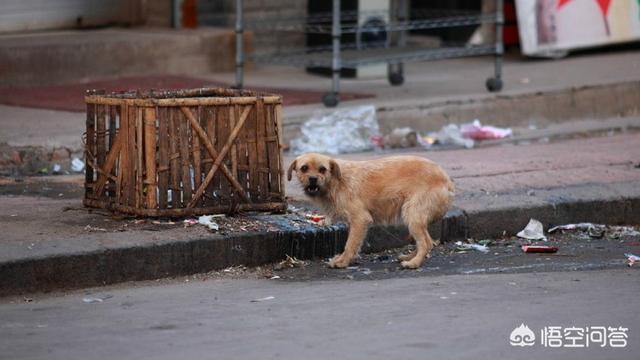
[{"x": 315, "y": 172}]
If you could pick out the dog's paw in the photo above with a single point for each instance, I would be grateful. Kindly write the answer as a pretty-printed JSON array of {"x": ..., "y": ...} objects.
[
  {"x": 411, "y": 264},
  {"x": 338, "y": 262},
  {"x": 407, "y": 257}
]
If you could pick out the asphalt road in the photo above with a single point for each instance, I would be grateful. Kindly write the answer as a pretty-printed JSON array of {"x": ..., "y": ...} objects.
[{"x": 440, "y": 316}]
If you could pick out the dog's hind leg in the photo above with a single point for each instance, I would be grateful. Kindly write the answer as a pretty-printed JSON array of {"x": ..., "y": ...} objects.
[
  {"x": 358, "y": 227},
  {"x": 424, "y": 244},
  {"x": 411, "y": 254},
  {"x": 417, "y": 212}
]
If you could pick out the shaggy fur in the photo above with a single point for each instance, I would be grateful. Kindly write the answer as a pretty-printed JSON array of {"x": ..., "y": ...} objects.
[{"x": 408, "y": 189}]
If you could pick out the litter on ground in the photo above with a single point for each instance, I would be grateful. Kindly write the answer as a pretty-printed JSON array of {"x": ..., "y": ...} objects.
[
  {"x": 77, "y": 165},
  {"x": 207, "y": 220},
  {"x": 266, "y": 298},
  {"x": 533, "y": 231},
  {"x": 449, "y": 135},
  {"x": 464, "y": 246},
  {"x": 476, "y": 131},
  {"x": 632, "y": 259},
  {"x": 401, "y": 138},
  {"x": 315, "y": 219},
  {"x": 342, "y": 131},
  {"x": 598, "y": 231},
  {"x": 189, "y": 222},
  {"x": 539, "y": 249},
  {"x": 289, "y": 262}
]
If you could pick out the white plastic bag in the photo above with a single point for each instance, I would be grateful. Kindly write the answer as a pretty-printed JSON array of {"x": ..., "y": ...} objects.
[{"x": 342, "y": 131}]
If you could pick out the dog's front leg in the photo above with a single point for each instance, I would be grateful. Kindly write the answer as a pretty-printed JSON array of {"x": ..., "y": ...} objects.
[{"x": 357, "y": 232}]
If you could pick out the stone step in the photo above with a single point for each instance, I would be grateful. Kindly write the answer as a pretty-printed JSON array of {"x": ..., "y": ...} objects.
[{"x": 76, "y": 55}]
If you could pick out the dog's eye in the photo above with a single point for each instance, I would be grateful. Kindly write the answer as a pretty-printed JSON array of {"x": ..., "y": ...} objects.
[
  {"x": 322, "y": 170},
  {"x": 304, "y": 168}
]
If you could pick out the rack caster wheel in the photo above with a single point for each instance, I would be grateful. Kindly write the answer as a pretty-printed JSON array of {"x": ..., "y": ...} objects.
[
  {"x": 330, "y": 99},
  {"x": 494, "y": 84},
  {"x": 396, "y": 79}
]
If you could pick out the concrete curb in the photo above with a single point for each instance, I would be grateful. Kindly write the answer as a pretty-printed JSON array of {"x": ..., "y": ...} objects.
[
  {"x": 520, "y": 109},
  {"x": 77, "y": 270}
]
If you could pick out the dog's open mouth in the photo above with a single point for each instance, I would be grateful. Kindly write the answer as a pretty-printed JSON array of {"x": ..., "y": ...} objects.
[{"x": 312, "y": 189}]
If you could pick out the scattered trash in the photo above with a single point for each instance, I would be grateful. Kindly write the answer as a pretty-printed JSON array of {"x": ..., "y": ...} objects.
[
  {"x": 463, "y": 135},
  {"x": 90, "y": 228},
  {"x": 476, "y": 131},
  {"x": 341, "y": 131},
  {"x": 289, "y": 262},
  {"x": 531, "y": 193},
  {"x": 598, "y": 231},
  {"x": 27, "y": 299},
  {"x": 464, "y": 246},
  {"x": 401, "y": 138},
  {"x": 77, "y": 165},
  {"x": 533, "y": 231},
  {"x": 267, "y": 298},
  {"x": 139, "y": 221},
  {"x": 89, "y": 300},
  {"x": 448, "y": 135},
  {"x": 377, "y": 141},
  {"x": 56, "y": 168},
  {"x": 292, "y": 209},
  {"x": 189, "y": 222},
  {"x": 365, "y": 271},
  {"x": 539, "y": 249},
  {"x": 578, "y": 226},
  {"x": 315, "y": 219},
  {"x": 485, "y": 242},
  {"x": 274, "y": 277},
  {"x": 157, "y": 222},
  {"x": 426, "y": 141},
  {"x": 632, "y": 259},
  {"x": 207, "y": 220},
  {"x": 92, "y": 300}
]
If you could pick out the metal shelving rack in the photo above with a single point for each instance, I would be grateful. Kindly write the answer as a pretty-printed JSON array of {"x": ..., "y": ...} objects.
[{"x": 394, "y": 51}]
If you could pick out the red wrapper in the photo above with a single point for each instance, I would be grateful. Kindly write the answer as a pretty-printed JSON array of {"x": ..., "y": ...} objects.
[{"x": 539, "y": 249}]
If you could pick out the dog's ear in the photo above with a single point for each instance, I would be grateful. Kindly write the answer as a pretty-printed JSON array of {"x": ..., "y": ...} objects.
[
  {"x": 291, "y": 168},
  {"x": 335, "y": 170}
]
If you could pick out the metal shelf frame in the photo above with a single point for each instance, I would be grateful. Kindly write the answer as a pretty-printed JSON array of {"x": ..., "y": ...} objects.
[{"x": 338, "y": 56}]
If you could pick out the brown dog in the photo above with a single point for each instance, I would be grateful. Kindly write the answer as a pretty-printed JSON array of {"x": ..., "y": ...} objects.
[{"x": 407, "y": 189}]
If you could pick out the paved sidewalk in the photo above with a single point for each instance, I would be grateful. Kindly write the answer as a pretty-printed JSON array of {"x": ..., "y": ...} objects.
[
  {"x": 499, "y": 189},
  {"x": 540, "y": 93}
]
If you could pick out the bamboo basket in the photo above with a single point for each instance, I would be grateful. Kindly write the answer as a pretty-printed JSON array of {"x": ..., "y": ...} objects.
[{"x": 184, "y": 152}]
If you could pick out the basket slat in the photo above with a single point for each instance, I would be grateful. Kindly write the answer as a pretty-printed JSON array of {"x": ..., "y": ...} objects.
[
  {"x": 252, "y": 144},
  {"x": 223, "y": 125},
  {"x": 89, "y": 147},
  {"x": 174, "y": 156},
  {"x": 185, "y": 159},
  {"x": 197, "y": 161},
  {"x": 163, "y": 157},
  {"x": 150, "y": 137},
  {"x": 210, "y": 120}
]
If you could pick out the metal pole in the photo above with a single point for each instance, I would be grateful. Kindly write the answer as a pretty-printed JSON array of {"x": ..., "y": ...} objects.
[
  {"x": 499, "y": 44},
  {"x": 239, "y": 45},
  {"x": 402, "y": 42},
  {"x": 336, "y": 66}
]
